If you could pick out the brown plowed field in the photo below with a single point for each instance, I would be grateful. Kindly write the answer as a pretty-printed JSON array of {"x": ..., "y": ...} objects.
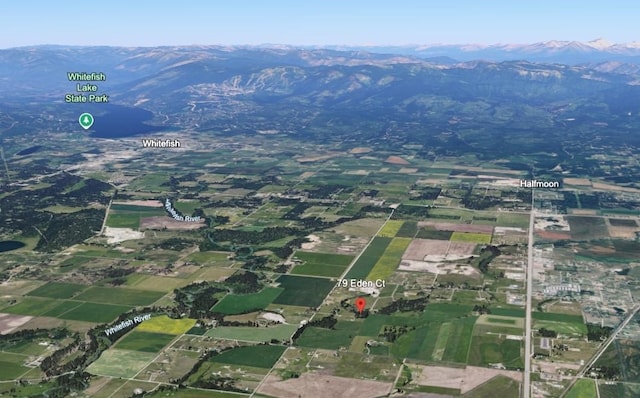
[
  {"x": 320, "y": 385},
  {"x": 447, "y": 226}
]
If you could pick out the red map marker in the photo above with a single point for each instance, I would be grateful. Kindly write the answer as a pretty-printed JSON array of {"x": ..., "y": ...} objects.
[{"x": 360, "y": 303}]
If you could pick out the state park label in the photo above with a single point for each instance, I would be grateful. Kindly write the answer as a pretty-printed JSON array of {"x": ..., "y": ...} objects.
[{"x": 85, "y": 89}]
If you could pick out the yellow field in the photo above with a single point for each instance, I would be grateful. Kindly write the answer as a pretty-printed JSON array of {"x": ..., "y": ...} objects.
[
  {"x": 389, "y": 260},
  {"x": 471, "y": 237},
  {"x": 164, "y": 324},
  {"x": 391, "y": 228}
]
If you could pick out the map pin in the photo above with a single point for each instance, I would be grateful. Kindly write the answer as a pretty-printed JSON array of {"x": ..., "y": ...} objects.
[
  {"x": 86, "y": 120},
  {"x": 360, "y": 303}
]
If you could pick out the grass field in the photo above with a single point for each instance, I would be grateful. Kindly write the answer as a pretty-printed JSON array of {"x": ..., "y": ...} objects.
[
  {"x": 499, "y": 386},
  {"x": 562, "y": 327},
  {"x": 243, "y": 303},
  {"x": 31, "y": 306},
  {"x": 191, "y": 393},
  {"x": 556, "y": 317},
  {"x": 408, "y": 229},
  {"x": 252, "y": 334},
  {"x": 57, "y": 290},
  {"x": 321, "y": 264},
  {"x": 390, "y": 259},
  {"x": 587, "y": 228},
  {"x": 125, "y": 220},
  {"x": 259, "y": 356},
  {"x": 390, "y": 228},
  {"x": 459, "y": 340},
  {"x": 62, "y": 308},
  {"x": 164, "y": 324},
  {"x": 117, "y": 295},
  {"x": 120, "y": 363},
  {"x": 11, "y": 370},
  {"x": 128, "y": 216},
  {"x": 441, "y": 342},
  {"x": 330, "y": 339},
  {"x": 155, "y": 282},
  {"x": 303, "y": 291},
  {"x": 489, "y": 349},
  {"x": 95, "y": 312},
  {"x": 144, "y": 341},
  {"x": 432, "y": 233},
  {"x": 471, "y": 237},
  {"x": 583, "y": 388},
  {"x": 369, "y": 258}
]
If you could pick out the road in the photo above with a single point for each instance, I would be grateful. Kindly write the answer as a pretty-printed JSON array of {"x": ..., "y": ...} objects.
[
  {"x": 526, "y": 385},
  {"x": 602, "y": 348}
]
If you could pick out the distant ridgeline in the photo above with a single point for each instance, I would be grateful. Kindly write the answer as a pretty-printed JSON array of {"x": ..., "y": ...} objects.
[{"x": 176, "y": 215}]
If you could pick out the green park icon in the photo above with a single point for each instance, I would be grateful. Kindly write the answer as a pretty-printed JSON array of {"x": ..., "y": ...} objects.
[{"x": 86, "y": 120}]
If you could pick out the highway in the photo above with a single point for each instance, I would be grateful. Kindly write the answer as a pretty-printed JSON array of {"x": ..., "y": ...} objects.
[
  {"x": 526, "y": 384},
  {"x": 602, "y": 348}
]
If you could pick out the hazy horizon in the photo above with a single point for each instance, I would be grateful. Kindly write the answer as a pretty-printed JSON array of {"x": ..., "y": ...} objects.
[{"x": 356, "y": 23}]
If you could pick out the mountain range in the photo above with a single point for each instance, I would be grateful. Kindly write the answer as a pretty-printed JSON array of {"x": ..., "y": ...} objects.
[{"x": 351, "y": 93}]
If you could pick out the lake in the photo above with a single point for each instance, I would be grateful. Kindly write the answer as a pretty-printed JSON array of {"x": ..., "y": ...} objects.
[
  {"x": 8, "y": 245},
  {"x": 121, "y": 121}
]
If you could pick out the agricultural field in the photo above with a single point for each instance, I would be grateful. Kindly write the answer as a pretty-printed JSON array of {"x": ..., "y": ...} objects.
[
  {"x": 303, "y": 291},
  {"x": 57, "y": 290},
  {"x": 243, "y": 303},
  {"x": 390, "y": 259},
  {"x": 122, "y": 296},
  {"x": 258, "y": 356},
  {"x": 368, "y": 258},
  {"x": 144, "y": 341},
  {"x": 321, "y": 264},
  {"x": 120, "y": 363},
  {"x": 94, "y": 312},
  {"x": 390, "y": 228},
  {"x": 253, "y": 334},
  {"x": 164, "y": 324},
  {"x": 471, "y": 237}
]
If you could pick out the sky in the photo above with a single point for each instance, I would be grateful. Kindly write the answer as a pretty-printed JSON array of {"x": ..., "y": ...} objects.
[{"x": 313, "y": 22}]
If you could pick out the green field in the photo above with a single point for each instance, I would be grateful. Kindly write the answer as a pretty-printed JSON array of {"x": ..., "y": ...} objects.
[
  {"x": 120, "y": 363},
  {"x": 432, "y": 233},
  {"x": 390, "y": 259},
  {"x": 144, "y": 341},
  {"x": 253, "y": 334},
  {"x": 330, "y": 339},
  {"x": 164, "y": 324},
  {"x": 562, "y": 327},
  {"x": 94, "y": 312},
  {"x": 31, "y": 306},
  {"x": 321, "y": 264},
  {"x": 584, "y": 388},
  {"x": 459, "y": 340},
  {"x": 303, "y": 291},
  {"x": 556, "y": 317},
  {"x": 57, "y": 290},
  {"x": 62, "y": 307},
  {"x": 408, "y": 230},
  {"x": 369, "y": 258},
  {"x": 587, "y": 228},
  {"x": 490, "y": 349},
  {"x": 498, "y": 386},
  {"x": 11, "y": 370},
  {"x": 471, "y": 237},
  {"x": 390, "y": 228},
  {"x": 125, "y": 220},
  {"x": 118, "y": 295},
  {"x": 128, "y": 216},
  {"x": 243, "y": 303},
  {"x": 259, "y": 356}
]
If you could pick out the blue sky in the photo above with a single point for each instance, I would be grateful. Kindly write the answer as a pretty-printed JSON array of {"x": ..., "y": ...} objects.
[{"x": 311, "y": 22}]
